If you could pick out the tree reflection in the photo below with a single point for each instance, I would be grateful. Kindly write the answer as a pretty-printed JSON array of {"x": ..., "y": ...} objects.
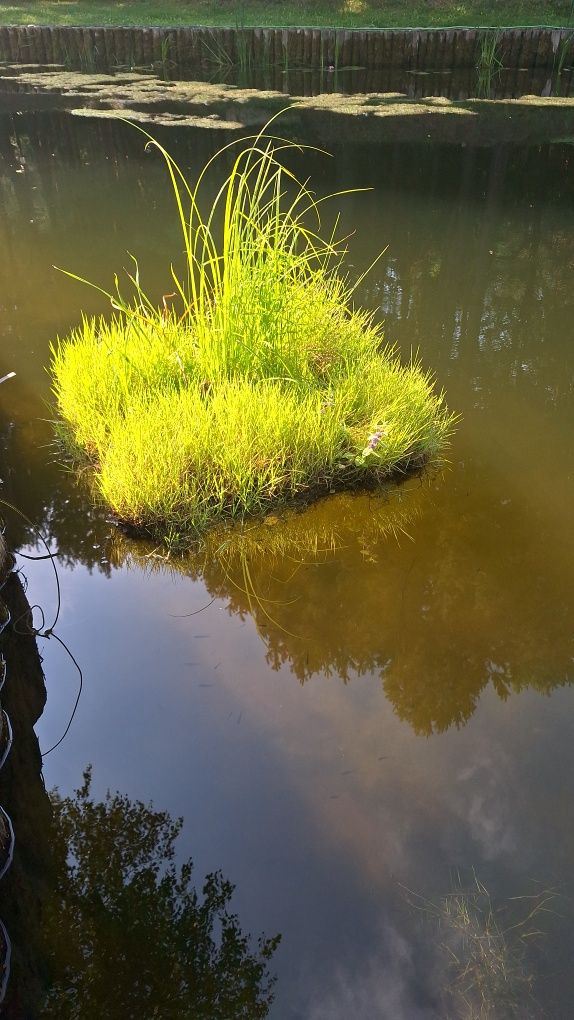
[
  {"x": 128, "y": 935},
  {"x": 436, "y": 621},
  {"x": 478, "y": 278}
]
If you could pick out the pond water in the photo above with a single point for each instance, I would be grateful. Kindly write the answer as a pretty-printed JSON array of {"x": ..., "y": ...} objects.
[{"x": 379, "y": 713}]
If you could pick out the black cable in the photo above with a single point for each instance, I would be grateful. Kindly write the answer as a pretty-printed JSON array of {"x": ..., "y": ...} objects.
[{"x": 48, "y": 634}]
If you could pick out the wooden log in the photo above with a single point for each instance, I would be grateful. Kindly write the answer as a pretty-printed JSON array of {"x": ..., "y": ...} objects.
[
  {"x": 85, "y": 54},
  {"x": 364, "y": 59},
  {"x": 299, "y": 46},
  {"x": 249, "y": 35},
  {"x": 350, "y": 43},
  {"x": 440, "y": 58},
  {"x": 266, "y": 48},
  {"x": 467, "y": 48},
  {"x": 344, "y": 37},
  {"x": 119, "y": 47},
  {"x": 448, "y": 56},
  {"x": 422, "y": 51},
  {"x": 224, "y": 42},
  {"x": 76, "y": 37},
  {"x": 258, "y": 47},
  {"x": 316, "y": 48},
  {"x": 24, "y": 45},
  {"x": 156, "y": 35},
  {"x": 283, "y": 51},
  {"x": 14, "y": 44},
  {"x": 386, "y": 49},
  {"x": 544, "y": 53},
  {"x": 32, "y": 36},
  {"x": 431, "y": 53},
  {"x": 396, "y": 52},
  {"x": 369, "y": 49},
  {"x": 456, "y": 50},
  {"x": 147, "y": 47},
  {"x": 504, "y": 47},
  {"x": 172, "y": 52},
  {"x": 514, "y": 44},
  {"x": 4, "y": 43},
  {"x": 43, "y": 46},
  {"x": 257, "y": 54},
  {"x": 528, "y": 54},
  {"x": 277, "y": 47},
  {"x": 47, "y": 45},
  {"x": 269, "y": 41},
  {"x": 126, "y": 47},
  {"x": 357, "y": 54},
  {"x": 107, "y": 43},
  {"x": 201, "y": 47},
  {"x": 136, "y": 46},
  {"x": 57, "y": 48},
  {"x": 411, "y": 50},
  {"x": 328, "y": 37},
  {"x": 90, "y": 49},
  {"x": 98, "y": 46},
  {"x": 307, "y": 47}
]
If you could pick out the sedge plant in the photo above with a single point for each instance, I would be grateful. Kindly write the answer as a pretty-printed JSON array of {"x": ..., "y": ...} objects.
[{"x": 259, "y": 384}]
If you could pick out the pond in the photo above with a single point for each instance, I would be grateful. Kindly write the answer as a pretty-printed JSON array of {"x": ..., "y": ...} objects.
[{"x": 367, "y": 721}]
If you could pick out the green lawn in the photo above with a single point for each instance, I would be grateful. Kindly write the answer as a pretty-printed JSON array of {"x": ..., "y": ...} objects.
[{"x": 351, "y": 13}]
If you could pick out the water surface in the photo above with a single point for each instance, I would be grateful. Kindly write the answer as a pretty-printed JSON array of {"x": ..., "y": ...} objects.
[{"x": 347, "y": 729}]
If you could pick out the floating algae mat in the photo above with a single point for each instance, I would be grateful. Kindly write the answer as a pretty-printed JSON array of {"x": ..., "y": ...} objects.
[{"x": 256, "y": 384}]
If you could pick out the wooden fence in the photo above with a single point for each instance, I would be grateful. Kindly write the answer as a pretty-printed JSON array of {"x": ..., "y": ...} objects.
[{"x": 291, "y": 48}]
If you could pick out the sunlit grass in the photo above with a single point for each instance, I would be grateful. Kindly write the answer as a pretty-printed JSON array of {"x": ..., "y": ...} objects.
[
  {"x": 258, "y": 385},
  {"x": 347, "y": 13}
]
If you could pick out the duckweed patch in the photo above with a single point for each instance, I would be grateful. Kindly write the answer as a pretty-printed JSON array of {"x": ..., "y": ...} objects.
[{"x": 258, "y": 385}]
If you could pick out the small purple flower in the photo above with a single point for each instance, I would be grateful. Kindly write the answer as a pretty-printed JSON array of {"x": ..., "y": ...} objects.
[{"x": 374, "y": 440}]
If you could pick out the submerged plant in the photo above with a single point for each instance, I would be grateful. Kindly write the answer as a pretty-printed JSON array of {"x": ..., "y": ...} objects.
[
  {"x": 484, "y": 947},
  {"x": 258, "y": 384}
]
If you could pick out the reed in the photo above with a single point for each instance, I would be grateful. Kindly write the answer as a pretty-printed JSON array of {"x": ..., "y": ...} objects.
[
  {"x": 560, "y": 59},
  {"x": 488, "y": 64},
  {"x": 259, "y": 385}
]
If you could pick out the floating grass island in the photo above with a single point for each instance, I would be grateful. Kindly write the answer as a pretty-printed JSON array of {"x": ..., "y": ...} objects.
[{"x": 257, "y": 384}]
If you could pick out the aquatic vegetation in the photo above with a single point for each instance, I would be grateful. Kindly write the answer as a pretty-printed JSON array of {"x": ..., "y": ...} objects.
[
  {"x": 488, "y": 63},
  {"x": 485, "y": 946},
  {"x": 255, "y": 384}
]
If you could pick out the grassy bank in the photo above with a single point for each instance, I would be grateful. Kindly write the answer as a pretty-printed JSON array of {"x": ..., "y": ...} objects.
[
  {"x": 348, "y": 13},
  {"x": 255, "y": 384}
]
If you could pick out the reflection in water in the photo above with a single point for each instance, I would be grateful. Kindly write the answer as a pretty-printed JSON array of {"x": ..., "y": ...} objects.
[
  {"x": 24, "y": 886},
  {"x": 128, "y": 935},
  {"x": 485, "y": 295},
  {"x": 466, "y": 958},
  {"x": 421, "y": 632},
  {"x": 315, "y": 794}
]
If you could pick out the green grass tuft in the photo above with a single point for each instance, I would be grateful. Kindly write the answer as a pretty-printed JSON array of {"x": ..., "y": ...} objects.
[{"x": 259, "y": 385}]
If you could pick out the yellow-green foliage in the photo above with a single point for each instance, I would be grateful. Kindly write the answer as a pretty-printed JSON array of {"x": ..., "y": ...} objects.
[{"x": 260, "y": 386}]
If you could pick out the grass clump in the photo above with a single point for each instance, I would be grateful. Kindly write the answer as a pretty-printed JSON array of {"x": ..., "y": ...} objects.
[{"x": 258, "y": 385}]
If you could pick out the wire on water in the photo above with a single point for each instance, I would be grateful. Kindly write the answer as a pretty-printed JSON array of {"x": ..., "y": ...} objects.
[
  {"x": 42, "y": 630},
  {"x": 78, "y": 696}
]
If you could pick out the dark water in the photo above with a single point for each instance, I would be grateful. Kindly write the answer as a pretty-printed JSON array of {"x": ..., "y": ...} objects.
[
  {"x": 462, "y": 83},
  {"x": 487, "y": 82},
  {"x": 379, "y": 711}
]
